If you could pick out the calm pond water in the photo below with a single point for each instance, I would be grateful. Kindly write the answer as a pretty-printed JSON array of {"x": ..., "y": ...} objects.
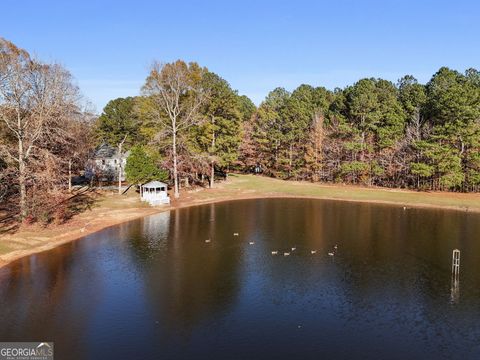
[{"x": 154, "y": 289}]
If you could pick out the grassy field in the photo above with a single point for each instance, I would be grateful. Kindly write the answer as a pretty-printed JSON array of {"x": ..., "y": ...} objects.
[
  {"x": 109, "y": 209},
  {"x": 267, "y": 186}
]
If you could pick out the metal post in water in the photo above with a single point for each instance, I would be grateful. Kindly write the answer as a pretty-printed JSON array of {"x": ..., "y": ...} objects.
[
  {"x": 455, "y": 291},
  {"x": 456, "y": 264}
]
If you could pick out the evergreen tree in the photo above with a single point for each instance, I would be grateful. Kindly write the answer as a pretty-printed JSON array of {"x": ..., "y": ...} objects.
[
  {"x": 453, "y": 109},
  {"x": 246, "y": 107},
  {"x": 218, "y": 137},
  {"x": 119, "y": 119},
  {"x": 141, "y": 167},
  {"x": 268, "y": 131}
]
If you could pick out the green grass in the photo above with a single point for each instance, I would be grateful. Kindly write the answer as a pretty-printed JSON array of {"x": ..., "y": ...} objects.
[{"x": 269, "y": 186}]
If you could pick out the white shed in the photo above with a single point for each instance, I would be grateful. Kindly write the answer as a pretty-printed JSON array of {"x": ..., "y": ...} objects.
[{"x": 155, "y": 193}]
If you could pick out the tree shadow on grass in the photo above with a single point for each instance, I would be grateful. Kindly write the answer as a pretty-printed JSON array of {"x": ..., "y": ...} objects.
[
  {"x": 8, "y": 220},
  {"x": 57, "y": 214},
  {"x": 79, "y": 204},
  {"x": 9, "y": 226}
]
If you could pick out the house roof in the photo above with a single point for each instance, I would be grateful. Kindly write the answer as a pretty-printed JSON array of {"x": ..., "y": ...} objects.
[
  {"x": 154, "y": 184},
  {"x": 104, "y": 150}
]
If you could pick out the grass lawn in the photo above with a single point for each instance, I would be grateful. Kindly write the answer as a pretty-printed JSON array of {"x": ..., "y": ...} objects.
[{"x": 268, "y": 186}]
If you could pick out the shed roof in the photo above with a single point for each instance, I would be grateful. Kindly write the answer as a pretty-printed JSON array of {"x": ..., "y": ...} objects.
[{"x": 154, "y": 184}]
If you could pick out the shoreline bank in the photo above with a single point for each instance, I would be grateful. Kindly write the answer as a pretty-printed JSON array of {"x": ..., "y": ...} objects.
[{"x": 241, "y": 187}]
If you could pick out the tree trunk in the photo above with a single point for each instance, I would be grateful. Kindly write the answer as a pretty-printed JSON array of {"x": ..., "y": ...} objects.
[
  {"x": 120, "y": 179},
  {"x": 70, "y": 175},
  {"x": 277, "y": 145},
  {"x": 362, "y": 151},
  {"x": 290, "y": 160},
  {"x": 212, "y": 174},
  {"x": 315, "y": 154},
  {"x": 120, "y": 145},
  {"x": 22, "y": 180},
  {"x": 176, "y": 193}
]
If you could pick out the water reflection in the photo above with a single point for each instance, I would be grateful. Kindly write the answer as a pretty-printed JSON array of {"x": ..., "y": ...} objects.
[
  {"x": 154, "y": 286},
  {"x": 455, "y": 292}
]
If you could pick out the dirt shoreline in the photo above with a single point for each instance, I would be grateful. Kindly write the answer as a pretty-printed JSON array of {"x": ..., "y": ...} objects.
[{"x": 124, "y": 215}]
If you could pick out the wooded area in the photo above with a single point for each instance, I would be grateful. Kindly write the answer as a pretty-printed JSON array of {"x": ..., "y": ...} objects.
[
  {"x": 189, "y": 125},
  {"x": 374, "y": 132}
]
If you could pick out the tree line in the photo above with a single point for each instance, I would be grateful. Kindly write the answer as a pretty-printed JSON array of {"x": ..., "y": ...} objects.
[
  {"x": 189, "y": 126},
  {"x": 374, "y": 132}
]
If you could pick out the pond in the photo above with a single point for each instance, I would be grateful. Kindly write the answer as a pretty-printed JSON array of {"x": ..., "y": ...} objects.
[{"x": 154, "y": 288}]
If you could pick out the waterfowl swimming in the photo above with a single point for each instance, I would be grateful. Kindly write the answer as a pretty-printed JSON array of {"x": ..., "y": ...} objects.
[
  {"x": 331, "y": 253},
  {"x": 294, "y": 248},
  {"x": 274, "y": 252},
  {"x": 207, "y": 241},
  {"x": 252, "y": 242},
  {"x": 235, "y": 234},
  {"x": 313, "y": 251},
  {"x": 286, "y": 254},
  {"x": 335, "y": 247}
]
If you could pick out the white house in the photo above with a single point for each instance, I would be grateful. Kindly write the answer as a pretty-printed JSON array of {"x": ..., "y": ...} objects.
[
  {"x": 104, "y": 163},
  {"x": 155, "y": 193}
]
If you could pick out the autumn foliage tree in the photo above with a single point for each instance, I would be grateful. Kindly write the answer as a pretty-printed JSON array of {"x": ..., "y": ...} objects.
[
  {"x": 173, "y": 96},
  {"x": 39, "y": 110}
]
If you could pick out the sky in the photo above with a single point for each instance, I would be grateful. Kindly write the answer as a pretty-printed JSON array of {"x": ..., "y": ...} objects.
[{"x": 108, "y": 46}]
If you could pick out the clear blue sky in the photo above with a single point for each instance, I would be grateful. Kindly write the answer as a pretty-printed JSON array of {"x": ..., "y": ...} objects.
[{"x": 255, "y": 45}]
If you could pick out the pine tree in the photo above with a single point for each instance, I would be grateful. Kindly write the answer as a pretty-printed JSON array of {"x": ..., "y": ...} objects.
[
  {"x": 141, "y": 167},
  {"x": 218, "y": 136},
  {"x": 119, "y": 118}
]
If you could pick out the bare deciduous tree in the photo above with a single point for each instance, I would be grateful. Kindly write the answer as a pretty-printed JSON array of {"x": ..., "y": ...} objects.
[
  {"x": 37, "y": 101},
  {"x": 173, "y": 95},
  {"x": 314, "y": 147},
  {"x": 81, "y": 141}
]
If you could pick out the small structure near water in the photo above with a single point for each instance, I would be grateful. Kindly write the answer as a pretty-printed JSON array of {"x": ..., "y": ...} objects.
[{"x": 155, "y": 193}]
